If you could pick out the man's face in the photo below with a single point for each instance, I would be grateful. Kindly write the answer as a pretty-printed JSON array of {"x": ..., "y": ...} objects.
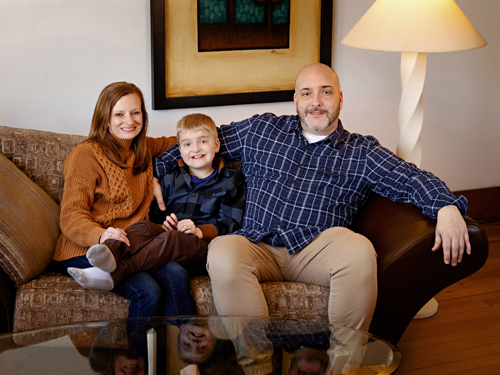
[
  {"x": 128, "y": 366},
  {"x": 308, "y": 361},
  {"x": 318, "y": 99}
]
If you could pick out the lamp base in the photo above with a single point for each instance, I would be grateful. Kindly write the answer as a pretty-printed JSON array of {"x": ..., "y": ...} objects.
[{"x": 429, "y": 309}]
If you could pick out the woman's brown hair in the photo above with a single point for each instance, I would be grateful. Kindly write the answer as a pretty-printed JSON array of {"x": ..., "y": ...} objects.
[{"x": 99, "y": 128}]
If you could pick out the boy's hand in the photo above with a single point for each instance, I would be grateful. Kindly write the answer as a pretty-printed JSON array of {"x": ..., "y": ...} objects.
[
  {"x": 170, "y": 222},
  {"x": 187, "y": 226}
]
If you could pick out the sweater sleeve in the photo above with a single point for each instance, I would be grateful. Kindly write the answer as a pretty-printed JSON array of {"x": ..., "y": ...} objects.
[
  {"x": 82, "y": 174},
  {"x": 159, "y": 145}
]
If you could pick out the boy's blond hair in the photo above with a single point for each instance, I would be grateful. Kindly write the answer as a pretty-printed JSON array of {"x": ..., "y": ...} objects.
[{"x": 196, "y": 122}]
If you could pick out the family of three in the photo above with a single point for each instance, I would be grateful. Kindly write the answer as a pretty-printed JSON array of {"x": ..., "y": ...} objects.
[{"x": 305, "y": 179}]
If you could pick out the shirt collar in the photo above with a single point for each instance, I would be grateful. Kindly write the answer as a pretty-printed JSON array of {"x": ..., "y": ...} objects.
[
  {"x": 218, "y": 161},
  {"x": 335, "y": 138}
]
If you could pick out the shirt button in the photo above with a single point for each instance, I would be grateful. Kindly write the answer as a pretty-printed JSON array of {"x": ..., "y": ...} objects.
[
  {"x": 194, "y": 194},
  {"x": 293, "y": 182}
]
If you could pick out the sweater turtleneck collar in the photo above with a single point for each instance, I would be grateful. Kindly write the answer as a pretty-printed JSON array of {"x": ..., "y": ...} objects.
[{"x": 124, "y": 143}]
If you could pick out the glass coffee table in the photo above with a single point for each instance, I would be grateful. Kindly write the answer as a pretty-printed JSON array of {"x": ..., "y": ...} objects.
[{"x": 197, "y": 345}]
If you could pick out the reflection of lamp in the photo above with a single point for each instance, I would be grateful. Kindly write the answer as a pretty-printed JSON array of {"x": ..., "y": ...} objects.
[{"x": 414, "y": 27}]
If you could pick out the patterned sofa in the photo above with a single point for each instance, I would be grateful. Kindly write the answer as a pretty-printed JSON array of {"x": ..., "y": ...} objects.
[{"x": 35, "y": 292}]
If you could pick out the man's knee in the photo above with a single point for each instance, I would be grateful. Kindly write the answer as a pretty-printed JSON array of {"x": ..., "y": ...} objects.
[
  {"x": 224, "y": 258},
  {"x": 354, "y": 251}
]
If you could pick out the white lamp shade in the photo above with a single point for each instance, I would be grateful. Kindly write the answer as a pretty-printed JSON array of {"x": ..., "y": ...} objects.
[{"x": 414, "y": 26}]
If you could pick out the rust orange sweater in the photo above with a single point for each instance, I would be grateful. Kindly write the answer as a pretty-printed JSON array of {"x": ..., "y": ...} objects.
[{"x": 98, "y": 194}]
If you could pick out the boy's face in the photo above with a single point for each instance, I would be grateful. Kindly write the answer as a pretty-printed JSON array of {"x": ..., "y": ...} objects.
[
  {"x": 196, "y": 342},
  {"x": 198, "y": 149}
]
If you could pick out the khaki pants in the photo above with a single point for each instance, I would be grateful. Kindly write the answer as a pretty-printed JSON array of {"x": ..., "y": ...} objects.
[{"x": 338, "y": 258}]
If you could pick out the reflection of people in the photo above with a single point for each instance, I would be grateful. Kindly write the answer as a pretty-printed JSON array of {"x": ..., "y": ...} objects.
[
  {"x": 255, "y": 340},
  {"x": 195, "y": 342},
  {"x": 308, "y": 361},
  {"x": 123, "y": 364},
  {"x": 108, "y": 187},
  {"x": 119, "y": 348},
  {"x": 205, "y": 199},
  {"x": 307, "y": 177}
]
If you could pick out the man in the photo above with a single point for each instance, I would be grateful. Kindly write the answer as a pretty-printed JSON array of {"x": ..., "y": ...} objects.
[{"x": 306, "y": 179}]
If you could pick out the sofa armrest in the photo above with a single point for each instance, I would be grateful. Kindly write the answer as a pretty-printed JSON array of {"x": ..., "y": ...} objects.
[
  {"x": 409, "y": 273},
  {"x": 7, "y": 302}
]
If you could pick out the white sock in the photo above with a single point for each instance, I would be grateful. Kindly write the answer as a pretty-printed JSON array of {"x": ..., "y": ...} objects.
[
  {"x": 101, "y": 257},
  {"x": 92, "y": 278}
]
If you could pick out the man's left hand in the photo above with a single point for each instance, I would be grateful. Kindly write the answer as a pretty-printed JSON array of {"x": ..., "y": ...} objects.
[{"x": 451, "y": 235}]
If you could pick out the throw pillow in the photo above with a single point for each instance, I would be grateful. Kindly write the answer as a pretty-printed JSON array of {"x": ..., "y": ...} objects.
[{"x": 29, "y": 225}]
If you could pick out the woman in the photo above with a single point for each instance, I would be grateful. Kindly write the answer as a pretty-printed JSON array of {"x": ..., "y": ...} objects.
[{"x": 109, "y": 186}]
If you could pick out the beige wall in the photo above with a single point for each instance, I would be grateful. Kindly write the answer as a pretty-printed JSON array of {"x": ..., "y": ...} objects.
[{"x": 56, "y": 56}]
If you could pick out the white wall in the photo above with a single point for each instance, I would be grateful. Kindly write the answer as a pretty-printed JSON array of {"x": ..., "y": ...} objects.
[{"x": 57, "y": 55}]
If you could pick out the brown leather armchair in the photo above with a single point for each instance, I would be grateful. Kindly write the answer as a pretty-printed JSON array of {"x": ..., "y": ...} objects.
[{"x": 409, "y": 273}]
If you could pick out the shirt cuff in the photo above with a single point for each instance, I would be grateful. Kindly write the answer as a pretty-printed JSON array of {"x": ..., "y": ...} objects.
[{"x": 209, "y": 231}]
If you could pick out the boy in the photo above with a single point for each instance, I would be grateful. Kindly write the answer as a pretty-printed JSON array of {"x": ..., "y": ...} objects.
[{"x": 205, "y": 199}]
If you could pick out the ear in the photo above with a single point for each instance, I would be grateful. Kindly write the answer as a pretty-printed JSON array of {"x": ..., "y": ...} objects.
[
  {"x": 341, "y": 99},
  {"x": 217, "y": 145}
]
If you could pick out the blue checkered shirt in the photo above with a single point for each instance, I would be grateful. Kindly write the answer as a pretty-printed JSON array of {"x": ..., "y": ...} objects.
[{"x": 296, "y": 189}]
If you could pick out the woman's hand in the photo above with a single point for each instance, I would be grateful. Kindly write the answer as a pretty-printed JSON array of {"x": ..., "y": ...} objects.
[
  {"x": 114, "y": 234},
  {"x": 157, "y": 195}
]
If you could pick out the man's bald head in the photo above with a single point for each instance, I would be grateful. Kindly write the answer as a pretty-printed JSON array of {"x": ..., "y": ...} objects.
[{"x": 317, "y": 68}]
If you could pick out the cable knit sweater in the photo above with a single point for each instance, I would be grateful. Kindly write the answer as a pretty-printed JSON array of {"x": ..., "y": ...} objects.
[{"x": 98, "y": 194}]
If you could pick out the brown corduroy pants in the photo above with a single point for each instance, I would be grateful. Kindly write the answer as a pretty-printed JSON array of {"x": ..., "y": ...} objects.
[{"x": 151, "y": 247}]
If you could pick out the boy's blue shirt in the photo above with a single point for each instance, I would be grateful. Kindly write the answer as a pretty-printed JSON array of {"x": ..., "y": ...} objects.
[{"x": 219, "y": 203}]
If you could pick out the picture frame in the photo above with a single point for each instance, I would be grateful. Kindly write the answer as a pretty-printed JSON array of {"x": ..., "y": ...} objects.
[{"x": 182, "y": 77}]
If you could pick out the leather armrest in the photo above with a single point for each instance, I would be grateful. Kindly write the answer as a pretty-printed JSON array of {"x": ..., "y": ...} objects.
[
  {"x": 7, "y": 302},
  {"x": 409, "y": 273}
]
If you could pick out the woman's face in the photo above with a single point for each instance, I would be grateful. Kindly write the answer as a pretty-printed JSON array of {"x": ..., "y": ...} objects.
[
  {"x": 129, "y": 366},
  {"x": 126, "y": 117}
]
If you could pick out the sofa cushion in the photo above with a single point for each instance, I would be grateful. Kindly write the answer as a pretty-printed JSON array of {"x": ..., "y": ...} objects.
[
  {"x": 29, "y": 225},
  {"x": 54, "y": 299},
  {"x": 290, "y": 300}
]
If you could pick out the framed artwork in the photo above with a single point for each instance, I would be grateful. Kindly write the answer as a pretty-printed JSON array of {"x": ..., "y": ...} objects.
[{"x": 227, "y": 52}]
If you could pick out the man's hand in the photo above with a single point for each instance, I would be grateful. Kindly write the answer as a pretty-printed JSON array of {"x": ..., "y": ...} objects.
[
  {"x": 451, "y": 235},
  {"x": 157, "y": 195}
]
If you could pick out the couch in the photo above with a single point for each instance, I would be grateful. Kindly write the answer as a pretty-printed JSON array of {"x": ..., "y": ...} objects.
[{"x": 35, "y": 292}]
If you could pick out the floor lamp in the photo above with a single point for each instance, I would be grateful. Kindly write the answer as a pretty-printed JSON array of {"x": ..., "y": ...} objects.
[{"x": 414, "y": 27}]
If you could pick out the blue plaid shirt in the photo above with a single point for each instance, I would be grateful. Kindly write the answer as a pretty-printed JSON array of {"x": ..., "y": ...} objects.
[{"x": 296, "y": 190}]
